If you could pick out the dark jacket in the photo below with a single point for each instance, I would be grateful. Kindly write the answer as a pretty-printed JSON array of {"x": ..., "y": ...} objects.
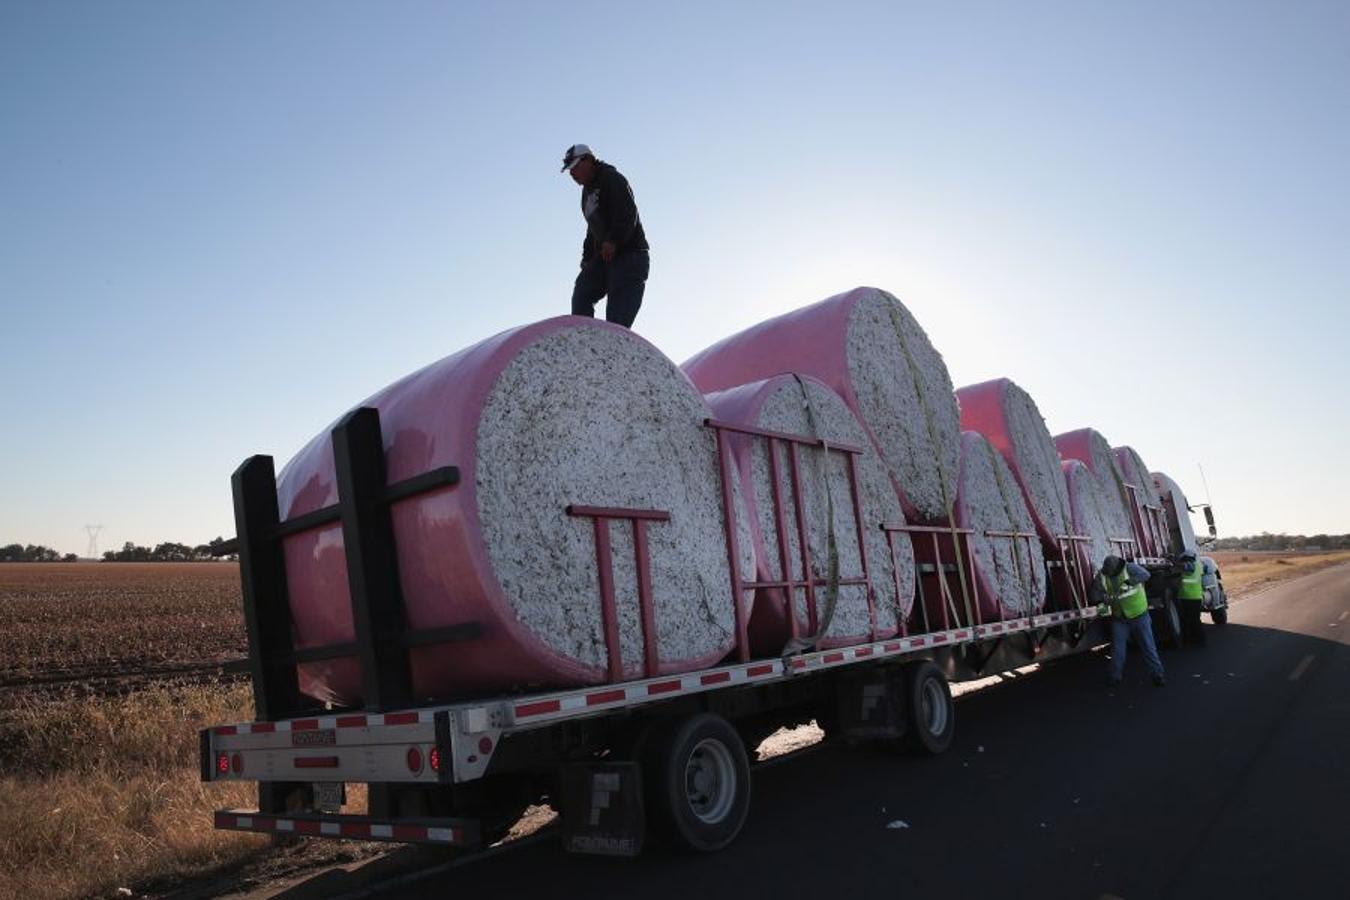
[{"x": 611, "y": 214}]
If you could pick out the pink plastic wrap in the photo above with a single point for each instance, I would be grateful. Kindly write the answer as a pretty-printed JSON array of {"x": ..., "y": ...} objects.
[
  {"x": 1009, "y": 420},
  {"x": 907, "y": 391},
  {"x": 431, "y": 419},
  {"x": 1088, "y": 446}
]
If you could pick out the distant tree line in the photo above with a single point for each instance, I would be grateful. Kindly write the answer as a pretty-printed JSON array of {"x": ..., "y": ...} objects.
[
  {"x": 166, "y": 552},
  {"x": 130, "y": 552},
  {"x": 1267, "y": 541},
  {"x": 33, "y": 553}
]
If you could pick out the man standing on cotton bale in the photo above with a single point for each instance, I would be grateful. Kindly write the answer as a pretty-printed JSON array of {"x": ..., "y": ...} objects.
[
  {"x": 614, "y": 254},
  {"x": 1119, "y": 586}
]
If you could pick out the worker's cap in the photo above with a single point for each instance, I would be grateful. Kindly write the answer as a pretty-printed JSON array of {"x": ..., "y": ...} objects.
[
  {"x": 1188, "y": 554},
  {"x": 575, "y": 154},
  {"x": 1112, "y": 565}
]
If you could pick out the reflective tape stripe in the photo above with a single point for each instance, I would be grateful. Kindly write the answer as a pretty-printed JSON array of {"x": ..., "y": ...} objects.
[
  {"x": 559, "y": 706},
  {"x": 388, "y": 831}
]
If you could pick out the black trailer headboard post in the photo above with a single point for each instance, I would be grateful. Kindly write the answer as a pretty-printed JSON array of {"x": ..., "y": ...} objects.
[
  {"x": 372, "y": 564},
  {"x": 267, "y": 614}
]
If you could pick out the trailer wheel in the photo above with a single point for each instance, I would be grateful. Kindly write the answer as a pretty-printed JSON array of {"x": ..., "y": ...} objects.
[
  {"x": 929, "y": 711},
  {"x": 1167, "y": 622},
  {"x": 698, "y": 782}
]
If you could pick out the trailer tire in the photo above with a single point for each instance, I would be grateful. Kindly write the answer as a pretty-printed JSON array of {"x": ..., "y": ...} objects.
[
  {"x": 929, "y": 712},
  {"x": 697, "y": 782},
  {"x": 1167, "y": 622}
]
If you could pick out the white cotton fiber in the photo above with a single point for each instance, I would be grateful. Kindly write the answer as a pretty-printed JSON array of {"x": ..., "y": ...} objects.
[
  {"x": 905, "y": 394},
  {"x": 1089, "y": 447},
  {"x": 988, "y": 499},
  {"x": 1008, "y": 417},
  {"x": 1092, "y": 513},
  {"x": 586, "y": 416},
  {"x": 805, "y": 406},
  {"x": 866, "y": 346}
]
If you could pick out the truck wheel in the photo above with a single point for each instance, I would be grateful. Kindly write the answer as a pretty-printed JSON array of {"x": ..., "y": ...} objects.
[
  {"x": 698, "y": 782},
  {"x": 1167, "y": 622},
  {"x": 1219, "y": 616},
  {"x": 929, "y": 711}
]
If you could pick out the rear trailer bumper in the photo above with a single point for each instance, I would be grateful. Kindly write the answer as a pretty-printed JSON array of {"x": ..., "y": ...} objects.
[{"x": 445, "y": 832}]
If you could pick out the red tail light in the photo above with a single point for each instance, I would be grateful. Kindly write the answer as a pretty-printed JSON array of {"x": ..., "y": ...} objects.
[
  {"x": 415, "y": 760},
  {"x": 435, "y": 756},
  {"x": 237, "y": 763},
  {"x": 223, "y": 764}
]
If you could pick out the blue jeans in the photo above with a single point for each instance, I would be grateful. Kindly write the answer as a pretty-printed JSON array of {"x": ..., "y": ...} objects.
[
  {"x": 623, "y": 280},
  {"x": 1141, "y": 629}
]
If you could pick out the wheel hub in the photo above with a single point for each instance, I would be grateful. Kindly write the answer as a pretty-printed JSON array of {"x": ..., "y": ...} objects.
[{"x": 710, "y": 781}]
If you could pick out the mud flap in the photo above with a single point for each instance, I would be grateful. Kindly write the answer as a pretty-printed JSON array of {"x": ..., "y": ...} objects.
[
  {"x": 601, "y": 808},
  {"x": 871, "y": 705}
]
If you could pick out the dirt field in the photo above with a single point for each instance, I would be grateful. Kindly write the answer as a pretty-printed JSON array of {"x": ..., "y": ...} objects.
[
  {"x": 1244, "y": 570},
  {"x": 90, "y": 624},
  {"x": 108, "y": 671}
]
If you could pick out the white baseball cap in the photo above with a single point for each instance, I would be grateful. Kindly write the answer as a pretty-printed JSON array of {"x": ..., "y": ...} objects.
[{"x": 575, "y": 154}]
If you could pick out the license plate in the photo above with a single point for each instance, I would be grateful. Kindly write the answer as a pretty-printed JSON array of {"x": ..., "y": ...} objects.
[{"x": 328, "y": 796}]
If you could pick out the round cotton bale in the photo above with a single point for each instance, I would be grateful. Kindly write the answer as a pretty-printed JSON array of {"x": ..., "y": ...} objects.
[
  {"x": 801, "y": 405},
  {"x": 1089, "y": 447},
  {"x": 1009, "y": 419},
  {"x": 868, "y": 348},
  {"x": 568, "y": 411},
  {"x": 1137, "y": 475},
  {"x": 1010, "y": 571},
  {"x": 1171, "y": 495},
  {"x": 1091, "y": 504}
]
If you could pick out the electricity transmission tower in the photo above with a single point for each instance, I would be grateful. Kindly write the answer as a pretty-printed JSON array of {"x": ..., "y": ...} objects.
[{"x": 93, "y": 530}]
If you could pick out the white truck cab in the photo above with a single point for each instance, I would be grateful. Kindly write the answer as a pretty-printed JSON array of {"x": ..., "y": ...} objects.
[{"x": 1182, "y": 537}]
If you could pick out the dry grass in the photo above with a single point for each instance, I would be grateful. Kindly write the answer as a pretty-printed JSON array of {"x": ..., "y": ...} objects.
[
  {"x": 90, "y": 617},
  {"x": 102, "y": 792},
  {"x": 1245, "y": 570}
]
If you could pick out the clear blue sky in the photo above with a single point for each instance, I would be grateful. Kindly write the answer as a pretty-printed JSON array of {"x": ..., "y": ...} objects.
[{"x": 225, "y": 223}]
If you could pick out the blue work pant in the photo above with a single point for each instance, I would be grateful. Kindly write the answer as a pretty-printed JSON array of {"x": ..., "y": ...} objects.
[
  {"x": 1141, "y": 629},
  {"x": 623, "y": 280}
]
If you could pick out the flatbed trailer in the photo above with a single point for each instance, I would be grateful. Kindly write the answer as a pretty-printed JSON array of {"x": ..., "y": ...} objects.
[
  {"x": 444, "y": 746},
  {"x": 665, "y": 751}
]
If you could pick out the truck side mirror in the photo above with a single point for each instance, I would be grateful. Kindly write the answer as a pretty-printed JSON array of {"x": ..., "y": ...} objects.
[{"x": 1209, "y": 517}]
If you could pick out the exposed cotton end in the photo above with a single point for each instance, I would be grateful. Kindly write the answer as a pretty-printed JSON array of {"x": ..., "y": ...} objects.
[
  {"x": 805, "y": 406},
  {"x": 1134, "y": 471},
  {"x": 904, "y": 393},
  {"x": 988, "y": 500},
  {"x": 1009, "y": 418},
  {"x": 1037, "y": 460},
  {"x": 588, "y": 416},
  {"x": 1089, "y": 447},
  {"x": 1092, "y": 507}
]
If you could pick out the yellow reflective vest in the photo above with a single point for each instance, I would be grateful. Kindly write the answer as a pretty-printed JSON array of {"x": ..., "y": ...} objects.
[
  {"x": 1192, "y": 585},
  {"x": 1127, "y": 600}
]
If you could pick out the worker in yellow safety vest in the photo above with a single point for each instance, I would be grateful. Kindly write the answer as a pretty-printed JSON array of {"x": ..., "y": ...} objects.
[
  {"x": 1190, "y": 598},
  {"x": 1119, "y": 590}
]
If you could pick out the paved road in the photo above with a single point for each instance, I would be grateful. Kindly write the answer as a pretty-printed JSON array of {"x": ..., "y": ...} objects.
[{"x": 1233, "y": 781}]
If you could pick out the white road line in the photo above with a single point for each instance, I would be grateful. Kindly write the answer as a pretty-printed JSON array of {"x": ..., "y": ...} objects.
[{"x": 1301, "y": 668}]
